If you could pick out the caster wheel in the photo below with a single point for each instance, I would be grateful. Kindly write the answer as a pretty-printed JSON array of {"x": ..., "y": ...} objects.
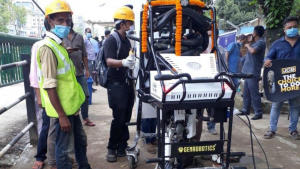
[{"x": 131, "y": 162}]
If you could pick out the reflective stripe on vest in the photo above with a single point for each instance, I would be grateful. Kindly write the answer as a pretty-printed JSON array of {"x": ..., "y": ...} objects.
[{"x": 61, "y": 56}]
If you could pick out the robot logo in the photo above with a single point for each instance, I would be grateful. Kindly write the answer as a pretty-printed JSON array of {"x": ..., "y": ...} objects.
[{"x": 180, "y": 149}]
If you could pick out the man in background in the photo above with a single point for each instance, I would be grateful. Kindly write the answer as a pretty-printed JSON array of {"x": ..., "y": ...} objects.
[
  {"x": 74, "y": 44},
  {"x": 233, "y": 57},
  {"x": 92, "y": 49},
  {"x": 253, "y": 64},
  {"x": 287, "y": 47}
]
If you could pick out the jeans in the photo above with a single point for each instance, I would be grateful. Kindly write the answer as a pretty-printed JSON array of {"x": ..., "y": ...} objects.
[
  {"x": 294, "y": 105},
  {"x": 236, "y": 82},
  {"x": 121, "y": 99},
  {"x": 148, "y": 127},
  {"x": 211, "y": 125},
  {"x": 64, "y": 144},
  {"x": 42, "y": 142},
  {"x": 85, "y": 106},
  {"x": 51, "y": 142},
  {"x": 251, "y": 96},
  {"x": 92, "y": 70}
]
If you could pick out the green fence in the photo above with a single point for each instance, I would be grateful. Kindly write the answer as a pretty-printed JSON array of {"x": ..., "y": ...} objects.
[{"x": 11, "y": 47}]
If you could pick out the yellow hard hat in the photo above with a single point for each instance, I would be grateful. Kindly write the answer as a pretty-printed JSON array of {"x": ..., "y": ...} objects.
[
  {"x": 57, "y": 6},
  {"x": 124, "y": 13}
]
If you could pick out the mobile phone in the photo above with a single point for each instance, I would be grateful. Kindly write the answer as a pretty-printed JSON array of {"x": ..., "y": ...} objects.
[{"x": 70, "y": 50}]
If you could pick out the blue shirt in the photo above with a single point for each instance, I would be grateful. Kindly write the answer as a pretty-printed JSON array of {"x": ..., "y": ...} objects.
[
  {"x": 92, "y": 48},
  {"x": 234, "y": 57},
  {"x": 253, "y": 62},
  {"x": 282, "y": 49}
]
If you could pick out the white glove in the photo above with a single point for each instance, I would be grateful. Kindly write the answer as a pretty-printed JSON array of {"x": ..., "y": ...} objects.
[{"x": 128, "y": 62}]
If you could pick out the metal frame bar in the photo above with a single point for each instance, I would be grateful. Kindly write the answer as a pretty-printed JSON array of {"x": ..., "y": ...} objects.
[
  {"x": 11, "y": 65},
  {"x": 30, "y": 101},
  {"x": 16, "y": 139},
  {"x": 4, "y": 109}
]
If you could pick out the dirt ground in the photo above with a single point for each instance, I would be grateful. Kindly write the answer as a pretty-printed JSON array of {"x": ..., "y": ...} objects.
[{"x": 282, "y": 151}]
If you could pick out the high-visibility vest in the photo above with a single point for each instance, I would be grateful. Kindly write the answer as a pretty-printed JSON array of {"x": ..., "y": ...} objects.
[{"x": 69, "y": 91}]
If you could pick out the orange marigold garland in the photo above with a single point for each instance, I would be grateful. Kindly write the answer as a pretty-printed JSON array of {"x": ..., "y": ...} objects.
[
  {"x": 144, "y": 28},
  {"x": 212, "y": 30},
  {"x": 197, "y": 3},
  {"x": 178, "y": 28},
  {"x": 163, "y": 2},
  {"x": 178, "y": 32}
]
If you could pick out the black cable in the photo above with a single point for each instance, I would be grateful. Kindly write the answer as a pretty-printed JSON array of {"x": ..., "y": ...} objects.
[
  {"x": 251, "y": 140},
  {"x": 267, "y": 161}
]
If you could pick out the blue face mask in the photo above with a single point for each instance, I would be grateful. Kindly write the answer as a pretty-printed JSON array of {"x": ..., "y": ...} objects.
[
  {"x": 291, "y": 33},
  {"x": 61, "y": 31},
  {"x": 88, "y": 35}
]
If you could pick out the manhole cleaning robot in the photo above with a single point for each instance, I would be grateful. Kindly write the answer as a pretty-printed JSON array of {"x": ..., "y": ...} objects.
[{"x": 180, "y": 81}]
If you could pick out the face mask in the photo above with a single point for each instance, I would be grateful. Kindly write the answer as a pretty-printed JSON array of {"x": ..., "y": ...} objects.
[
  {"x": 61, "y": 31},
  {"x": 293, "y": 32},
  {"x": 88, "y": 35}
]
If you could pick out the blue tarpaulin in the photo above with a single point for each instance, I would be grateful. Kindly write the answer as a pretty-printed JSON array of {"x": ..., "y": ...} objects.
[
  {"x": 246, "y": 30},
  {"x": 227, "y": 38}
]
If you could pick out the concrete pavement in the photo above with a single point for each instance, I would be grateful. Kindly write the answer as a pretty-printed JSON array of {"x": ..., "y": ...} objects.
[{"x": 282, "y": 151}]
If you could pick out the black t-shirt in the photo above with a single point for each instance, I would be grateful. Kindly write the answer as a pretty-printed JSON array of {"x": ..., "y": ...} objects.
[{"x": 110, "y": 51}]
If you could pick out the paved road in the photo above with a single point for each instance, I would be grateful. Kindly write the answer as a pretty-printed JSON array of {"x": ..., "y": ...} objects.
[{"x": 282, "y": 151}]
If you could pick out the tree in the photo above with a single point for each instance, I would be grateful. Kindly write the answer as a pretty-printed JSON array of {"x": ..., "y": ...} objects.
[
  {"x": 296, "y": 8},
  {"x": 275, "y": 12},
  {"x": 5, "y": 15},
  {"x": 236, "y": 11},
  {"x": 11, "y": 14},
  {"x": 19, "y": 17}
]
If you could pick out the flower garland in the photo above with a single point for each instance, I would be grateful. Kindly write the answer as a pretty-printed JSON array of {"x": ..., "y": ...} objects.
[
  {"x": 144, "y": 28},
  {"x": 163, "y": 2},
  {"x": 212, "y": 30},
  {"x": 197, "y": 3},
  {"x": 178, "y": 33}
]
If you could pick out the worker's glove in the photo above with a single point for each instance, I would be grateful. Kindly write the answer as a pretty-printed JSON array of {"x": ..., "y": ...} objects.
[{"x": 128, "y": 62}]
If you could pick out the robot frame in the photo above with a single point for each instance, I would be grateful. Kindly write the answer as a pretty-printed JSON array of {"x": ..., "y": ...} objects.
[{"x": 163, "y": 25}]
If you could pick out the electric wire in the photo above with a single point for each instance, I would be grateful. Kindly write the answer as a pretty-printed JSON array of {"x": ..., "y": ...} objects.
[
  {"x": 251, "y": 140},
  {"x": 249, "y": 126}
]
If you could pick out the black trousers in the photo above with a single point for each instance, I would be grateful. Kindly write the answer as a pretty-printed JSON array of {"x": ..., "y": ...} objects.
[{"x": 121, "y": 100}]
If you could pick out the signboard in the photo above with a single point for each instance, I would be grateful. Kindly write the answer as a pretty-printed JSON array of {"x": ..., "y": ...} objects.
[
  {"x": 226, "y": 39},
  {"x": 282, "y": 80},
  {"x": 198, "y": 148}
]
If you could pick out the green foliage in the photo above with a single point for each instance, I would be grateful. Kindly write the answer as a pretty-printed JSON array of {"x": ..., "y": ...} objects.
[
  {"x": 276, "y": 12},
  {"x": 19, "y": 16},
  {"x": 236, "y": 11},
  {"x": 4, "y": 15},
  {"x": 296, "y": 8},
  {"x": 10, "y": 13}
]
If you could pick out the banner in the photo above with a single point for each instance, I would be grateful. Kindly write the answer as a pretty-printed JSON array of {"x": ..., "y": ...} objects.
[{"x": 282, "y": 80}]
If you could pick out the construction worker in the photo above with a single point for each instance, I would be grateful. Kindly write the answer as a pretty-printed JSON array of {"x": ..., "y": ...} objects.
[
  {"x": 43, "y": 135},
  {"x": 61, "y": 94},
  {"x": 120, "y": 88}
]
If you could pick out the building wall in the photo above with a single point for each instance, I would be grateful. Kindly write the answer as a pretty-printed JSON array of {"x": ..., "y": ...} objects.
[{"x": 34, "y": 26}]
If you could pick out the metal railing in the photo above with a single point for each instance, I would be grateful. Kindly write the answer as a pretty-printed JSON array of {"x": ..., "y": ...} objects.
[
  {"x": 10, "y": 49},
  {"x": 30, "y": 102}
]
